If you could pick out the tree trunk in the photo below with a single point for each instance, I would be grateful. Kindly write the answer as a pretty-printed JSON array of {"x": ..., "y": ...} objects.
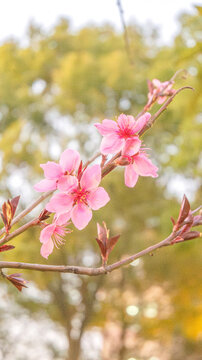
[{"x": 74, "y": 350}]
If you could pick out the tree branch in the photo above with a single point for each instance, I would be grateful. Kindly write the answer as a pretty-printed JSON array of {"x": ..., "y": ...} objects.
[
  {"x": 28, "y": 210},
  {"x": 162, "y": 109},
  {"x": 19, "y": 231},
  {"x": 109, "y": 166},
  {"x": 126, "y": 38},
  {"x": 90, "y": 271},
  {"x": 152, "y": 102}
]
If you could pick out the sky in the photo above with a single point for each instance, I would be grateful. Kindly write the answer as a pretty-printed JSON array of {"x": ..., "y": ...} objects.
[{"x": 16, "y": 15}]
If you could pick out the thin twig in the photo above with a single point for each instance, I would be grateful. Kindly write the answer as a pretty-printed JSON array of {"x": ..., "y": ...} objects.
[
  {"x": 19, "y": 231},
  {"x": 90, "y": 271},
  {"x": 150, "y": 103},
  {"x": 92, "y": 159},
  {"x": 28, "y": 209},
  {"x": 109, "y": 166},
  {"x": 162, "y": 109},
  {"x": 125, "y": 31}
]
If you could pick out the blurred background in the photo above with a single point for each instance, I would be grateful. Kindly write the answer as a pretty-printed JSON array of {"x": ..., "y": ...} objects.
[{"x": 63, "y": 66}]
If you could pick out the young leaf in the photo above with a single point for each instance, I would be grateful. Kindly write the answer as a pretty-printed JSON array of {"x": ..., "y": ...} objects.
[
  {"x": 6, "y": 247},
  {"x": 106, "y": 244},
  {"x": 184, "y": 212},
  {"x": 14, "y": 203},
  {"x": 17, "y": 280},
  {"x": 112, "y": 242},
  {"x": 44, "y": 215}
]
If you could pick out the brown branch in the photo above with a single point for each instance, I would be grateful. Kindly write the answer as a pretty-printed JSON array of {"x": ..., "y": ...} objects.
[
  {"x": 28, "y": 209},
  {"x": 152, "y": 102},
  {"x": 125, "y": 31},
  {"x": 92, "y": 159},
  {"x": 162, "y": 109},
  {"x": 90, "y": 271},
  {"x": 110, "y": 165},
  {"x": 107, "y": 168},
  {"x": 177, "y": 73},
  {"x": 19, "y": 231}
]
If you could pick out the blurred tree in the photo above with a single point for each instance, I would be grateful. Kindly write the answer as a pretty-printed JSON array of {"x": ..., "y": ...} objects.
[{"x": 51, "y": 92}]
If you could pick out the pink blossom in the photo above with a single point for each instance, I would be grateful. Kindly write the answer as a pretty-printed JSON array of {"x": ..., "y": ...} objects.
[
  {"x": 52, "y": 235},
  {"x": 156, "y": 87},
  {"x": 118, "y": 134},
  {"x": 79, "y": 201},
  {"x": 138, "y": 165},
  {"x": 60, "y": 175}
]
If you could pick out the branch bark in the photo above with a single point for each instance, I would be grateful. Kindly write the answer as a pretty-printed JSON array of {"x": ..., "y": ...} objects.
[
  {"x": 162, "y": 109},
  {"x": 86, "y": 270},
  {"x": 28, "y": 210}
]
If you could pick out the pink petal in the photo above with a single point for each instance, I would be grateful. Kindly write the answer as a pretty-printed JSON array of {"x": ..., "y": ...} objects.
[
  {"x": 130, "y": 176},
  {"x": 161, "y": 99},
  {"x": 69, "y": 160},
  {"x": 107, "y": 127},
  {"x": 111, "y": 144},
  {"x": 126, "y": 121},
  {"x": 132, "y": 146},
  {"x": 46, "y": 185},
  {"x": 141, "y": 122},
  {"x": 47, "y": 232},
  {"x": 62, "y": 219},
  {"x": 47, "y": 249},
  {"x": 81, "y": 215},
  {"x": 91, "y": 177},
  {"x": 60, "y": 203},
  {"x": 98, "y": 198},
  {"x": 51, "y": 170},
  {"x": 144, "y": 167},
  {"x": 67, "y": 183},
  {"x": 157, "y": 83}
]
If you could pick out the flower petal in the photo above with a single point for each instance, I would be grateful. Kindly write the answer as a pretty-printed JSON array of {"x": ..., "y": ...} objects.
[
  {"x": 46, "y": 185},
  {"x": 126, "y": 122},
  {"x": 47, "y": 232},
  {"x": 91, "y": 177},
  {"x": 111, "y": 144},
  {"x": 161, "y": 99},
  {"x": 157, "y": 83},
  {"x": 144, "y": 167},
  {"x": 131, "y": 146},
  {"x": 107, "y": 127},
  {"x": 47, "y": 249},
  {"x": 141, "y": 122},
  {"x": 62, "y": 219},
  {"x": 67, "y": 183},
  {"x": 98, "y": 198},
  {"x": 60, "y": 203},
  {"x": 81, "y": 215},
  {"x": 69, "y": 160},
  {"x": 130, "y": 176},
  {"x": 51, "y": 170}
]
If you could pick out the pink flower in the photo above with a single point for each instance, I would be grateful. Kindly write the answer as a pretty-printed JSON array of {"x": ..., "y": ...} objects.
[
  {"x": 156, "y": 87},
  {"x": 82, "y": 198},
  {"x": 117, "y": 134},
  {"x": 60, "y": 175},
  {"x": 138, "y": 165},
  {"x": 52, "y": 235}
]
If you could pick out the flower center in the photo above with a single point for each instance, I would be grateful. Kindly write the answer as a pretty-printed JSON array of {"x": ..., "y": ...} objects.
[
  {"x": 125, "y": 133},
  {"x": 80, "y": 195}
]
